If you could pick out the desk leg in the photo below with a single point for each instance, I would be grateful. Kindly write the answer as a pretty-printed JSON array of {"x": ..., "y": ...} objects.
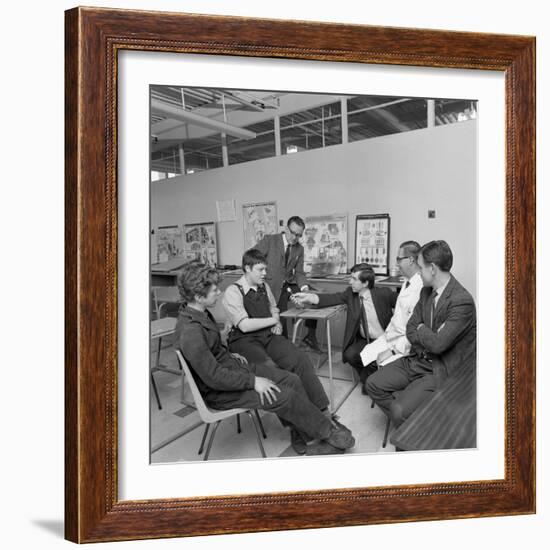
[
  {"x": 295, "y": 330},
  {"x": 329, "y": 350}
]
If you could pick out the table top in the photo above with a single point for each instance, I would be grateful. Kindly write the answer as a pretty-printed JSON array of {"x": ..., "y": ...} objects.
[
  {"x": 310, "y": 313},
  {"x": 163, "y": 327}
]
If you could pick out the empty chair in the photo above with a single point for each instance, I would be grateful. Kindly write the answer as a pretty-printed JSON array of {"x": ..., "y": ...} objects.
[
  {"x": 159, "y": 329},
  {"x": 164, "y": 295},
  {"x": 211, "y": 416}
]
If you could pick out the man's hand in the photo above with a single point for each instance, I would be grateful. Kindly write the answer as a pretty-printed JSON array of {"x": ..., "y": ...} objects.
[
  {"x": 224, "y": 333},
  {"x": 277, "y": 328},
  {"x": 266, "y": 388},
  {"x": 382, "y": 356},
  {"x": 302, "y": 298},
  {"x": 240, "y": 358}
]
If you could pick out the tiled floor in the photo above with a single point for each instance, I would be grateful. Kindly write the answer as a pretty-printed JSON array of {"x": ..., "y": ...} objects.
[{"x": 366, "y": 423}]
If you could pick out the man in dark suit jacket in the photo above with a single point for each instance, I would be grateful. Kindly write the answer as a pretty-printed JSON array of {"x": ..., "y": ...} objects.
[
  {"x": 285, "y": 269},
  {"x": 442, "y": 332},
  {"x": 369, "y": 313}
]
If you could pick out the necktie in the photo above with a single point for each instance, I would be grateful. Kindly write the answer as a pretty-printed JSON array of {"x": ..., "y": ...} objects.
[
  {"x": 364, "y": 321},
  {"x": 287, "y": 254},
  {"x": 433, "y": 310}
]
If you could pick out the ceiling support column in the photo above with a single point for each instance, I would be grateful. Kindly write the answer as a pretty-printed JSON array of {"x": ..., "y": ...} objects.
[
  {"x": 431, "y": 112},
  {"x": 277, "y": 133},
  {"x": 344, "y": 117},
  {"x": 182, "y": 158}
]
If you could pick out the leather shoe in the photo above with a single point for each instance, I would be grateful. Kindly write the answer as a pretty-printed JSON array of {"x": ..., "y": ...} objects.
[
  {"x": 297, "y": 442},
  {"x": 323, "y": 448},
  {"x": 340, "y": 438},
  {"x": 312, "y": 344},
  {"x": 334, "y": 419}
]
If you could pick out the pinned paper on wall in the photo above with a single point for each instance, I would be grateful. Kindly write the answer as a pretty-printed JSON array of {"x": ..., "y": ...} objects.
[
  {"x": 227, "y": 211},
  {"x": 259, "y": 219}
]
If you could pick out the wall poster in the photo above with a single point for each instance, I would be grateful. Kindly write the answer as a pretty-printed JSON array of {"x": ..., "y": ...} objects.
[
  {"x": 200, "y": 243},
  {"x": 325, "y": 245},
  {"x": 372, "y": 241},
  {"x": 169, "y": 243},
  {"x": 259, "y": 219}
]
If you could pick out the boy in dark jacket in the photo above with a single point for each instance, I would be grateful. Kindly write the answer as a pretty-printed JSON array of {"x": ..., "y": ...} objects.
[{"x": 227, "y": 380}]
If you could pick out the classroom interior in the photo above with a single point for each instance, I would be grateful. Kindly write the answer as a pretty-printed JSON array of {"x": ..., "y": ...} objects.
[{"x": 214, "y": 151}]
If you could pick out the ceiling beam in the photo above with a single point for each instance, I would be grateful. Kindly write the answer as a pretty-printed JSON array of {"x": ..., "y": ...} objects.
[{"x": 198, "y": 120}]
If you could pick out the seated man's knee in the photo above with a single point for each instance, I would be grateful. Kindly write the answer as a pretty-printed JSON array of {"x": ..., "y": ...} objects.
[
  {"x": 283, "y": 397},
  {"x": 397, "y": 413},
  {"x": 371, "y": 385},
  {"x": 291, "y": 379},
  {"x": 353, "y": 359},
  {"x": 268, "y": 362}
]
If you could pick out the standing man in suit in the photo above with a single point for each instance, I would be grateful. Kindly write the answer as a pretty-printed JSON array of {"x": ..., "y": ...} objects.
[
  {"x": 285, "y": 269},
  {"x": 369, "y": 312},
  {"x": 442, "y": 332}
]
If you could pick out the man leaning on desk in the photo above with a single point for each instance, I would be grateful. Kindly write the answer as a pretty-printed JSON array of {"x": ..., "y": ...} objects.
[{"x": 369, "y": 312}]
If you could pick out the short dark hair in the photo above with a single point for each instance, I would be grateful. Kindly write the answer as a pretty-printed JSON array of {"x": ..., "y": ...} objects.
[
  {"x": 411, "y": 248},
  {"x": 297, "y": 220},
  {"x": 438, "y": 253},
  {"x": 196, "y": 279},
  {"x": 253, "y": 257},
  {"x": 366, "y": 273}
]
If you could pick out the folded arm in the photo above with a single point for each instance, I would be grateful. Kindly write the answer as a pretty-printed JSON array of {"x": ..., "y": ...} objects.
[{"x": 460, "y": 317}]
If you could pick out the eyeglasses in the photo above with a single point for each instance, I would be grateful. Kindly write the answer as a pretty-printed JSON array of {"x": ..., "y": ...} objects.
[
  {"x": 297, "y": 235},
  {"x": 399, "y": 258}
]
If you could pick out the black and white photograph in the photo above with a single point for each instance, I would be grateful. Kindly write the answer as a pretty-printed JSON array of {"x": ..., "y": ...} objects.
[{"x": 323, "y": 299}]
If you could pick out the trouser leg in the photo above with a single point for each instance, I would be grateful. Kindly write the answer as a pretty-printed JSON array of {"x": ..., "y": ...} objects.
[
  {"x": 381, "y": 385},
  {"x": 288, "y": 357},
  {"x": 411, "y": 398},
  {"x": 292, "y": 403},
  {"x": 352, "y": 357},
  {"x": 253, "y": 350}
]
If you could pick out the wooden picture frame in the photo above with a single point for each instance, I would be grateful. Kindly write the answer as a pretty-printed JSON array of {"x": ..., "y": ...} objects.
[{"x": 93, "y": 39}]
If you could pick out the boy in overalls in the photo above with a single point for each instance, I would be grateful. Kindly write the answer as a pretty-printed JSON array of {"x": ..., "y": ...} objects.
[{"x": 256, "y": 334}]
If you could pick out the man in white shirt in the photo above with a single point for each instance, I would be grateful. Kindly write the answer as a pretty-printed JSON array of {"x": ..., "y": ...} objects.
[{"x": 393, "y": 343}]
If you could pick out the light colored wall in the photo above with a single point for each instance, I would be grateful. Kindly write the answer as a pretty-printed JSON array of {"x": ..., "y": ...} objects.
[{"x": 403, "y": 175}]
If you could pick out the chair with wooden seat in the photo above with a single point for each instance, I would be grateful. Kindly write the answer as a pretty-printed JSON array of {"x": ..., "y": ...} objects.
[{"x": 211, "y": 416}]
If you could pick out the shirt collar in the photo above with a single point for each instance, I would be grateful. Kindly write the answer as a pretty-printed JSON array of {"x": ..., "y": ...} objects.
[
  {"x": 365, "y": 294},
  {"x": 285, "y": 240},
  {"x": 441, "y": 289},
  {"x": 244, "y": 283},
  {"x": 201, "y": 316},
  {"x": 415, "y": 280}
]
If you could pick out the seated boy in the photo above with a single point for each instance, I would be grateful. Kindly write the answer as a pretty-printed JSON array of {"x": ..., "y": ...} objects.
[{"x": 227, "y": 380}]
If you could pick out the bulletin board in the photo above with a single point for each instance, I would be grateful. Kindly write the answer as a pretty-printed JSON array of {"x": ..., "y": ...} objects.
[
  {"x": 372, "y": 241},
  {"x": 325, "y": 244},
  {"x": 200, "y": 243},
  {"x": 259, "y": 219},
  {"x": 169, "y": 243}
]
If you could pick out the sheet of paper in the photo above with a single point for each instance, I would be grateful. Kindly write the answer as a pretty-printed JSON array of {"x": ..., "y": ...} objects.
[
  {"x": 371, "y": 351},
  {"x": 227, "y": 211}
]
